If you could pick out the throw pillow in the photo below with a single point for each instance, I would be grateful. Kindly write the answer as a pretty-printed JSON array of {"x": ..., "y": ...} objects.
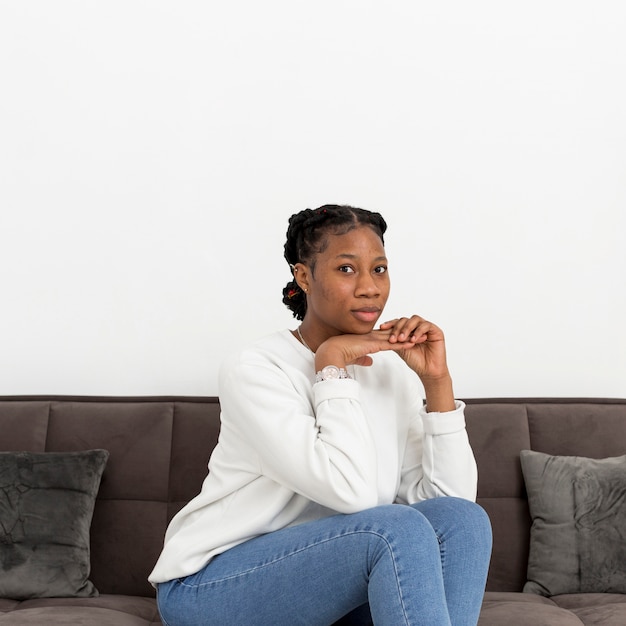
[
  {"x": 578, "y": 533},
  {"x": 46, "y": 505}
]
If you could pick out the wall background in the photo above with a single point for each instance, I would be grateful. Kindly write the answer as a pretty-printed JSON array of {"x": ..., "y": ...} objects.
[{"x": 151, "y": 153}]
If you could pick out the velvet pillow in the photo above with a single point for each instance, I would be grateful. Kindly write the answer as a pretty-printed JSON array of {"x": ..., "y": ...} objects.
[
  {"x": 46, "y": 505},
  {"x": 578, "y": 533}
]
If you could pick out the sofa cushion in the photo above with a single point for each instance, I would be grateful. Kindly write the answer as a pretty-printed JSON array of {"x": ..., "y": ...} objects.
[
  {"x": 595, "y": 609},
  {"x": 46, "y": 506},
  {"x": 578, "y": 508},
  {"x": 104, "y": 610},
  {"x": 515, "y": 608}
]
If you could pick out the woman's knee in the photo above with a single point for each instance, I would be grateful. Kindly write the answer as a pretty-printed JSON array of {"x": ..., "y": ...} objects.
[
  {"x": 391, "y": 517},
  {"x": 466, "y": 516},
  {"x": 399, "y": 527},
  {"x": 474, "y": 516}
]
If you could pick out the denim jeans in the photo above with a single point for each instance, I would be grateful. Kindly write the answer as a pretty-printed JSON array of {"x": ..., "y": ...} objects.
[{"x": 421, "y": 564}]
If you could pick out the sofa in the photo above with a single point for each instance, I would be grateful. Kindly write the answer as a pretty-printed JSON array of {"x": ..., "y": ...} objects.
[{"x": 158, "y": 449}]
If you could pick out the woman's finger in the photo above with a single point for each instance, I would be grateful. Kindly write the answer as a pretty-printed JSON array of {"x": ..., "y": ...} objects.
[{"x": 406, "y": 328}]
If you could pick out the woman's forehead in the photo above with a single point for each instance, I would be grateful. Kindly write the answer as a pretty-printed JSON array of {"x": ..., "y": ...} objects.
[{"x": 355, "y": 242}]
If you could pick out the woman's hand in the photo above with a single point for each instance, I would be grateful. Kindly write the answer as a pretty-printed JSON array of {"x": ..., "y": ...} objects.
[
  {"x": 342, "y": 350},
  {"x": 426, "y": 356},
  {"x": 422, "y": 345},
  {"x": 417, "y": 341}
]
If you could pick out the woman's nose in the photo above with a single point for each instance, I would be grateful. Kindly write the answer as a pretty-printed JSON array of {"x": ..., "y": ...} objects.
[{"x": 367, "y": 286}]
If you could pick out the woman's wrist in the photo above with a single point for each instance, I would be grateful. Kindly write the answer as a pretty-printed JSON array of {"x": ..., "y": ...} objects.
[
  {"x": 325, "y": 356},
  {"x": 439, "y": 394}
]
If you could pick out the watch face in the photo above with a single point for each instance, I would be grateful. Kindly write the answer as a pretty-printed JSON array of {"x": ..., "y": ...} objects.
[{"x": 330, "y": 371}]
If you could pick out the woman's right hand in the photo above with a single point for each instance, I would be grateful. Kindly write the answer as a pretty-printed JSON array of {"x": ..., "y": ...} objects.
[{"x": 342, "y": 350}]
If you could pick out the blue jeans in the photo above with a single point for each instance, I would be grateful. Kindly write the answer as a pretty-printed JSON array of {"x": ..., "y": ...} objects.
[{"x": 421, "y": 564}]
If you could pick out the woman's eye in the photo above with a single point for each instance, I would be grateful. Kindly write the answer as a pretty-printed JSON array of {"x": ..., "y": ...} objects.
[
  {"x": 346, "y": 268},
  {"x": 381, "y": 269}
]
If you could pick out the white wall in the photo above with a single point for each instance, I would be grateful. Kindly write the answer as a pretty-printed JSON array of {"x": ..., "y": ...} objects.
[{"x": 151, "y": 153}]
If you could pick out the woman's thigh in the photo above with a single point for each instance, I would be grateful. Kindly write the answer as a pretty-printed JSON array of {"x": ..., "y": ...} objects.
[{"x": 315, "y": 573}]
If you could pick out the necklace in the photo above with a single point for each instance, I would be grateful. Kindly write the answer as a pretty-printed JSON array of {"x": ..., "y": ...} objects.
[{"x": 304, "y": 343}]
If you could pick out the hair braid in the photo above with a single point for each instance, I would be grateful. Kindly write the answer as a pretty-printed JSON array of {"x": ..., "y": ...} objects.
[{"x": 306, "y": 237}]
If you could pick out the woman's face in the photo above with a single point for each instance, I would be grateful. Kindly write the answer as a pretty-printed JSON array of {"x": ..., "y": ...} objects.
[{"x": 350, "y": 285}]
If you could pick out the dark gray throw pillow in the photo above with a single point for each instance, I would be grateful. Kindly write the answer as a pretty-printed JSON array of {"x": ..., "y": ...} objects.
[
  {"x": 46, "y": 505},
  {"x": 578, "y": 533}
]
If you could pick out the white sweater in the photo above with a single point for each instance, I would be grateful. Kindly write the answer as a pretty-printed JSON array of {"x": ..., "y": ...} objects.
[{"x": 291, "y": 451}]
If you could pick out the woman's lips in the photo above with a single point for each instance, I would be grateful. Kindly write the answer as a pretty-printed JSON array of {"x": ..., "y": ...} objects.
[{"x": 366, "y": 314}]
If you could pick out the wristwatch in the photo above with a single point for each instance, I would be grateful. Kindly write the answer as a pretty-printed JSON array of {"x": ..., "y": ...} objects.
[{"x": 331, "y": 372}]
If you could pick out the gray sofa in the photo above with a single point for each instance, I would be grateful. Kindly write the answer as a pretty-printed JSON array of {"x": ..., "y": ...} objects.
[{"x": 159, "y": 448}]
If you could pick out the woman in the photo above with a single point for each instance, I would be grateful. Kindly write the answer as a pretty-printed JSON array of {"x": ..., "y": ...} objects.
[{"x": 323, "y": 498}]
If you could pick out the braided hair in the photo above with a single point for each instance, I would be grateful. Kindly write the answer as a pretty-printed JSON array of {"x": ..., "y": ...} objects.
[{"x": 307, "y": 237}]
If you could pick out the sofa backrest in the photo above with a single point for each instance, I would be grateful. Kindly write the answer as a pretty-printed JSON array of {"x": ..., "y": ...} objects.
[
  {"x": 498, "y": 429},
  {"x": 159, "y": 450}
]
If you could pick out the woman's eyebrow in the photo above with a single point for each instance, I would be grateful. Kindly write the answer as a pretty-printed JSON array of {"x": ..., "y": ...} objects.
[{"x": 355, "y": 256}]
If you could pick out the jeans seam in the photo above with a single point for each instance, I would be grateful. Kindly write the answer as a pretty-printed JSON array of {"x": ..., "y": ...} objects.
[
  {"x": 311, "y": 545},
  {"x": 397, "y": 574},
  {"x": 277, "y": 559}
]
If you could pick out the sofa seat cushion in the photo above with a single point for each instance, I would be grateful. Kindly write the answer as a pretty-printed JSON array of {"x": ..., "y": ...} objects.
[
  {"x": 595, "y": 609},
  {"x": 576, "y": 609},
  {"x": 521, "y": 609},
  {"x": 104, "y": 610}
]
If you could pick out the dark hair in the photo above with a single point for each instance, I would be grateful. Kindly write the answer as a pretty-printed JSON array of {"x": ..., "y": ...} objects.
[{"x": 307, "y": 237}]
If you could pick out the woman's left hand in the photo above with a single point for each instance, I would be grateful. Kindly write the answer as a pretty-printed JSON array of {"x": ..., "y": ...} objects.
[{"x": 425, "y": 351}]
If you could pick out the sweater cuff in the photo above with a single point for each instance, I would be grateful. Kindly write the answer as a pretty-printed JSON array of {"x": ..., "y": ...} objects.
[
  {"x": 444, "y": 423},
  {"x": 341, "y": 388}
]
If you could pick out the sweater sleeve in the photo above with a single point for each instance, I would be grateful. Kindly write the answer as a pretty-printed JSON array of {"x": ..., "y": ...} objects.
[
  {"x": 438, "y": 459},
  {"x": 319, "y": 446}
]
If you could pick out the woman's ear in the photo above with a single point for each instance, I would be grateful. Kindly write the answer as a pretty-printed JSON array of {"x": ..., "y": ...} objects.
[{"x": 301, "y": 276}]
